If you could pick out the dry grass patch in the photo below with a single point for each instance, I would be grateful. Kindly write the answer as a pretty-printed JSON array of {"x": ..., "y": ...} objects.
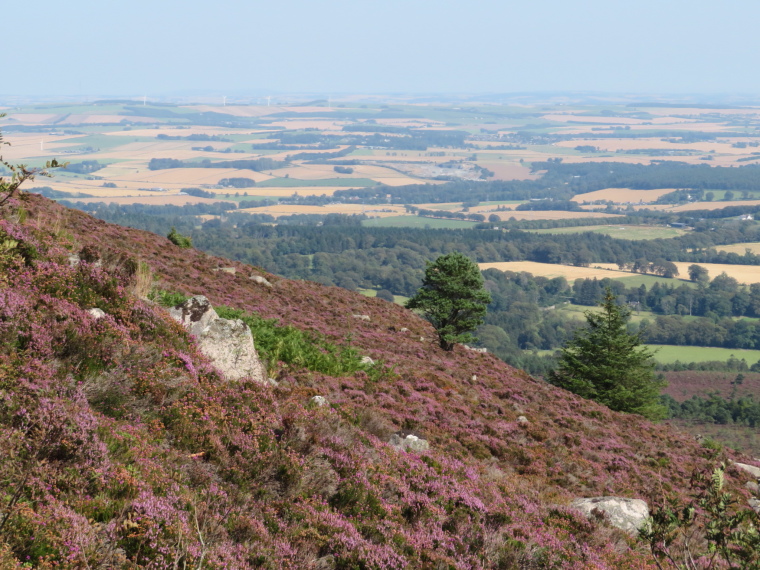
[
  {"x": 740, "y": 248},
  {"x": 746, "y": 274}
]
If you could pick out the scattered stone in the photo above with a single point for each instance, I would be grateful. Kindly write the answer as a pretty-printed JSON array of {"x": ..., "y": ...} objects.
[
  {"x": 409, "y": 443},
  {"x": 273, "y": 382},
  {"x": 74, "y": 260},
  {"x": 227, "y": 343},
  {"x": 753, "y": 487},
  {"x": 522, "y": 420},
  {"x": 626, "y": 514},
  {"x": 97, "y": 313},
  {"x": 474, "y": 349},
  {"x": 325, "y": 563},
  {"x": 367, "y": 360},
  {"x": 404, "y": 329},
  {"x": 261, "y": 281},
  {"x": 474, "y": 378},
  {"x": 422, "y": 339},
  {"x": 755, "y": 505},
  {"x": 319, "y": 401},
  {"x": 361, "y": 317},
  {"x": 230, "y": 270},
  {"x": 751, "y": 469}
]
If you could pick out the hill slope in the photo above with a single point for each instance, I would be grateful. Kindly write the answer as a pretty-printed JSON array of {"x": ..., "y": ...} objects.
[{"x": 122, "y": 447}]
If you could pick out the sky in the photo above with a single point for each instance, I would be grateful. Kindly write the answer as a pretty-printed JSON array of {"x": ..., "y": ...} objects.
[{"x": 163, "y": 47}]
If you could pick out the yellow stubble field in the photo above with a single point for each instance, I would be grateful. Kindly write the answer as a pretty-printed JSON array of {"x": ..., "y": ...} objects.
[
  {"x": 551, "y": 270},
  {"x": 383, "y": 210},
  {"x": 622, "y": 195},
  {"x": 745, "y": 274}
]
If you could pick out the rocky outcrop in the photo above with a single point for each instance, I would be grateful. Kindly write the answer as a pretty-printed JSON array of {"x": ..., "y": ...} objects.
[
  {"x": 261, "y": 281},
  {"x": 409, "y": 443},
  {"x": 751, "y": 469},
  {"x": 227, "y": 343},
  {"x": 626, "y": 514}
]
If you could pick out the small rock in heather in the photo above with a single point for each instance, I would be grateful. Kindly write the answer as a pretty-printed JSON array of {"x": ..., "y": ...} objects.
[
  {"x": 261, "y": 281},
  {"x": 97, "y": 313},
  {"x": 522, "y": 420},
  {"x": 230, "y": 270},
  {"x": 273, "y": 382},
  {"x": 752, "y": 487},
  {"x": 751, "y": 469},
  {"x": 74, "y": 260},
  {"x": 325, "y": 563},
  {"x": 409, "y": 443},
  {"x": 367, "y": 360},
  {"x": 474, "y": 349},
  {"x": 755, "y": 505},
  {"x": 319, "y": 401},
  {"x": 404, "y": 329},
  {"x": 362, "y": 317},
  {"x": 626, "y": 514},
  {"x": 474, "y": 378}
]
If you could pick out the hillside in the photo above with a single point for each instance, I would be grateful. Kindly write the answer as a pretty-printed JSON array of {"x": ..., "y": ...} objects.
[{"x": 122, "y": 447}]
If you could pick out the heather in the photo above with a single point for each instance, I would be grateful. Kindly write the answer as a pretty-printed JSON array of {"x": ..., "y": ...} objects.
[{"x": 122, "y": 447}]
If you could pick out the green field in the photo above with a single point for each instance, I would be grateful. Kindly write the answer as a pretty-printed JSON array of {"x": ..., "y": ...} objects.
[
  {"x": 417, "y": 222},
  {"x": 649, "y": 280},
  {"x": 667, "y": 354},
  {"x": 621, "y": 232},
  {"x": 398, "y": 299}
]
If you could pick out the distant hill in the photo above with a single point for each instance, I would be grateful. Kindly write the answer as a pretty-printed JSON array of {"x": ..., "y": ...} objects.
[{"x": 122, "y": 447}]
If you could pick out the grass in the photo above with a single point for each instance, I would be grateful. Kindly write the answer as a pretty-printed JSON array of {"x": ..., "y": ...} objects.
[
  {"x": 621, "y": 232},
  {"x": 417, "y": 222},
  {"x": 667, "y": 354},
  {"x": 398, "y": 299}
]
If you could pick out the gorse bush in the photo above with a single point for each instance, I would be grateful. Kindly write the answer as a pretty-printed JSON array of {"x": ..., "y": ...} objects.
[{"x": 179, "y": 240}]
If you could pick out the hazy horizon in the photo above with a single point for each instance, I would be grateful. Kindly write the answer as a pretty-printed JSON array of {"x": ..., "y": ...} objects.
[{"x": 359, "y": 47}]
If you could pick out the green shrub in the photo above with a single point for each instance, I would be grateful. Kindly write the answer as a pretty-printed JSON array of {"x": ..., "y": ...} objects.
[{"x": 178, "y": 239}]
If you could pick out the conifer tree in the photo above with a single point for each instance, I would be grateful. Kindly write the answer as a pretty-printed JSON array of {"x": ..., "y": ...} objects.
[
  {"x": 452, "y": 298},
  {"x": 606, "y": 363}
]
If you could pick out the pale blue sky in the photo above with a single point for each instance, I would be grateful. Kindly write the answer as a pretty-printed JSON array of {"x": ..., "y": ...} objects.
[{"x": 135, "y": 47}]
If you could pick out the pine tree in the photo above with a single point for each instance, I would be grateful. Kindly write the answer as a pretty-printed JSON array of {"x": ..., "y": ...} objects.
[
  {"x": 452, "y": 298},
  {"x": 605, "y": 363}
]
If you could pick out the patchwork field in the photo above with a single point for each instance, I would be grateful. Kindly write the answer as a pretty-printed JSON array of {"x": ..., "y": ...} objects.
[
  {"x": 746, "y": 274},
  {"x": 349, "y": 209},
  {"x": 621, "y": 232},
  {"x": 622, "y": 195},
  {"x": 740, "y": 248}
]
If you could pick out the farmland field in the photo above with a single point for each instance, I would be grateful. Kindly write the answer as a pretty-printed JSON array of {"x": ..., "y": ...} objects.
[
  {"x": 668, "y": 354},
  {"x": 572, "y": 273},
  {"x": 417, "y": 222},
  {"x": 740, "y": 248},
  {"x": 746, "y": 274},
  {"x": 621, "y": 232},
  {"x": 622, "y": 195}
]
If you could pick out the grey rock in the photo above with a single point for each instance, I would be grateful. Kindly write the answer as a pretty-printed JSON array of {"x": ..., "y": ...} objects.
[
  {"x": 367, "y": 360},
  {"x": 227, "y": 343},
  {"x": 409, "y": 443},
  {"x": 404, "y": 329},
  {"x": 751, "y": 469},
  {"x": 195, "y": 314},
  {"x": 230, "y": 270},
  {"x": 74, "y": 260},
  {"x": 626, "y": 514},
  {"x": 261, "y": 281},
  {"x": 755, "y": 505},
  {"x": 473, "y": 349},
  {"x": 97, "y": 313},
  {"x": 752, "y": 487},
  {"x": 272, "y": 382},
  {"x": 361, "y": 317},
  {"x": 319, "y": 401},
  {"x": 325, "y": 563},
  {"x": 522, "y": 420}
]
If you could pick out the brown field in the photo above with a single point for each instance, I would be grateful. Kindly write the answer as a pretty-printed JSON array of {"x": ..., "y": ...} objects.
[
  {"x": 612, "y": 145},
  {"x": 746, "y": 274},
  {"x": 376, "y": 211},
  {"x": 550, "y": 215},
  {"x": 326, "y": 171},
  {"x": 622, "y": 195}
]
